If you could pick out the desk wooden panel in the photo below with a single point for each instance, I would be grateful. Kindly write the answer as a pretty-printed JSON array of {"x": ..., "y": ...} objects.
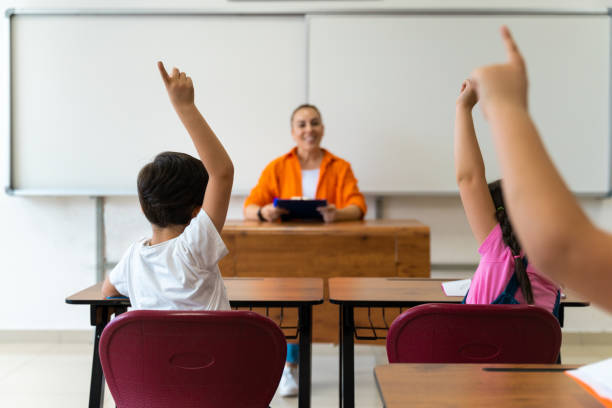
[
  {"x": 275, "y": 290},
  {"x": 469, "y": 385},
  {"x": 268, "y": 290},
  {"x": 405, "y": 290},
  {"x": 359, "y": 248}
]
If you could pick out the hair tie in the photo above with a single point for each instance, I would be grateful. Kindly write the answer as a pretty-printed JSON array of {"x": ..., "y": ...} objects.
[
  {"x": 517, "y": 256},
  {"x": 500, "y": 208}
]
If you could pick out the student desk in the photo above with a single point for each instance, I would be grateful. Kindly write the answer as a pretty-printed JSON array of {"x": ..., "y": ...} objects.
[
  {"x": 354, "y": 248},
  {"x": 300, "y": 293},
  {"x": 351, "y": 293},
  {"x": 480, "y": 385}
]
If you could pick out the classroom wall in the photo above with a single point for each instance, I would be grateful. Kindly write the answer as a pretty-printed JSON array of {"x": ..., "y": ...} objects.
[{"x": 47, "y": 246}]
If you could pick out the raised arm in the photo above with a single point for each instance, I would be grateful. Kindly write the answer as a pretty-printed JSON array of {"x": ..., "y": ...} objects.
[
  {"x": 213, "y": 155},
  {"x": 470, "y": 169},
  {"x": 555, "y": 233}
]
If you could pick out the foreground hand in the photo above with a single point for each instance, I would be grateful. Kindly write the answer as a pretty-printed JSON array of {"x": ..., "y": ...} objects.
[
  {"x": 467, "y": 96},
  {"x": 272, "y": 213},
  {"x": 178, "y": 85},
  {"x": 503, "y": 83},
  {"x": 328, "y": 212}
]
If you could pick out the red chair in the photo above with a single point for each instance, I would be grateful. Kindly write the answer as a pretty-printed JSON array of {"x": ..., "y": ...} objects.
[
  {"x": 453, "y": 333},
  {"x": 154, "y": 358}
]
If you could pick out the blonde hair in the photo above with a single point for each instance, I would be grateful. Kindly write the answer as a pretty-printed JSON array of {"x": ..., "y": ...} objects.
[{"x": 302, "y": 106}]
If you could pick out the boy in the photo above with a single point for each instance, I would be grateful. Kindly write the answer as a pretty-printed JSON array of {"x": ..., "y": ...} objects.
[{"x": 177, "y": 267}]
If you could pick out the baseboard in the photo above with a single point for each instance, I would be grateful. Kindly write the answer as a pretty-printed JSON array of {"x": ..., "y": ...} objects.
[{"x": 46, "y": 336}]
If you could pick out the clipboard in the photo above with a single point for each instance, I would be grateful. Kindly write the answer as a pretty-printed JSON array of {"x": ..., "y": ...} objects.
[{"x": 300, "y": 209}]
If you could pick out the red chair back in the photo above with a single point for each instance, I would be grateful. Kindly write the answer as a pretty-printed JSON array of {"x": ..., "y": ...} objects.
[
  {"x": 154, "y": 358},
  {"x": 453, "y": 333}
]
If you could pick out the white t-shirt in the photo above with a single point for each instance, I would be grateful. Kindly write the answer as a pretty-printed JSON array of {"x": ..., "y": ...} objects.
[
  {"x": 310, "y": 178},
  {"x": 178, "y": 274}
]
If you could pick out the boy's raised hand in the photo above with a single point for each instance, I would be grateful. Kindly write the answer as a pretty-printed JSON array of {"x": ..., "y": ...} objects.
[
  {"x": 178, "y": 85},
  {"x": 503, "y": 83},
  {"x": 467, "y": 96}
]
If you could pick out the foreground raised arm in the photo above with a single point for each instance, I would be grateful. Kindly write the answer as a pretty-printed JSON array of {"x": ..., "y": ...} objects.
[
  {"x": 554, "y": 231},
  {"x": 214, "y": 157}
]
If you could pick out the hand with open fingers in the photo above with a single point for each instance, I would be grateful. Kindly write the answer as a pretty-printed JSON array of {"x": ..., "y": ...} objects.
[
  {"x": 467, "y": 96},
  {"x": 328, "y": 212},
  {"x": 503, "y": 83},
  {"x": 178, "y": 85},
  {"x": 272, "y": 213}
]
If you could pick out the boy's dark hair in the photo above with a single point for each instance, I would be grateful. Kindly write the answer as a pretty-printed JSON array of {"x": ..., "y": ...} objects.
[
  {"x": 520, "y": 264},
  {"x": 171, "y": 187}
]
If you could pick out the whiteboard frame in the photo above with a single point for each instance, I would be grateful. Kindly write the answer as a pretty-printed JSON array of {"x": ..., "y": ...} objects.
[{"x": 304, "y": 13}]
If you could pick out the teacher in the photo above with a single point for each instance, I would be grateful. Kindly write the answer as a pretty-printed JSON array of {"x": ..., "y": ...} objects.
[
  {"x": 307, "y": 171},
  {"x": 312, "y": 172}
]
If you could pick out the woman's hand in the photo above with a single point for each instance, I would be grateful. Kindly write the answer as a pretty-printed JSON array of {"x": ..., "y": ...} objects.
[
  {"x": 468, "y": 96},
  {"x": 329, "y": 213},
  {"x": 272, "y": 213}
]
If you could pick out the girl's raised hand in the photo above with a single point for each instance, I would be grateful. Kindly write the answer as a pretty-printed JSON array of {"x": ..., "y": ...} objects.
[
  {"x": 178, "y": 85},
  {"x": 468, "y": 96}
]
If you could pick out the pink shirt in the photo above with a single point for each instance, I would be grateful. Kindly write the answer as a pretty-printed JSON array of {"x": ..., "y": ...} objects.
[{"x": 495, "y": 270}]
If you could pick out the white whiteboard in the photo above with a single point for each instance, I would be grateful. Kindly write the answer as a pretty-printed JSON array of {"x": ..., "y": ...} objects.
[
  {"x": 387, "y": 86},
  {"x": 89, "y": 108}
]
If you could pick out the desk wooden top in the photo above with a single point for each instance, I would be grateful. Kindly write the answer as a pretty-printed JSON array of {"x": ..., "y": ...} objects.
[
  {"x": 253, "y": 291},
  {"x": 473, "y": 385},
  {"x": 370, "y": 227},
  {"x": 402, "y": 290}
]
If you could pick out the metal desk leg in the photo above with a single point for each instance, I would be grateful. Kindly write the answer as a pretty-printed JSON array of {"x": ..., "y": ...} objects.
[
  {"x": 305, "y": 362},
  {"x": 340, "y": 353},
  {"x": 561, "y": 318},
  {"x": 347, "y": 357},
  {"x": 99, "y": 318}
]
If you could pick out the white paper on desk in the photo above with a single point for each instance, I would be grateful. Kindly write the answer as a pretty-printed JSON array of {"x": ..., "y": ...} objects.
[
  {"x": 456, "y": 288},
  {"x": 598, "y": 376}
]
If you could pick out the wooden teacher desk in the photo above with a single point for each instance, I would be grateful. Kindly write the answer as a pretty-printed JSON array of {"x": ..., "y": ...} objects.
[
  {"x": 356, "y": 248},
  {"x": 480, "y": 385},
  {"x": 395, "y": 293},
  {"x": 300, "y": 293}
]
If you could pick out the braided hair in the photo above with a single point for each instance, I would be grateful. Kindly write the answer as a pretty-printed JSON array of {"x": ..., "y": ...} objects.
[{"x": 520, "y": 262}]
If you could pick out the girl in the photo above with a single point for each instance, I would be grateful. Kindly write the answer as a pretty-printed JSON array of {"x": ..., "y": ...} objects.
[
  {"x": 562, "y": 241},
  {"x": 503, "y": 276}
]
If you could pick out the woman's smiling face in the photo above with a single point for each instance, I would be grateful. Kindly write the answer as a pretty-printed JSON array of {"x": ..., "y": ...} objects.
[{"x": 307, "y": 129}]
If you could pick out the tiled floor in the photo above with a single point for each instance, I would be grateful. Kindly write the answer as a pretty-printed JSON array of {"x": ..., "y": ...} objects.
[{"x": 57, "y": 374}]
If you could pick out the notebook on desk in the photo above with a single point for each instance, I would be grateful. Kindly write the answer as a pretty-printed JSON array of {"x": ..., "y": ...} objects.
[
  {"x": 300, "y": 209},
  {"x": 596, "y": 378},
  {"x": 457, "y": 287}
]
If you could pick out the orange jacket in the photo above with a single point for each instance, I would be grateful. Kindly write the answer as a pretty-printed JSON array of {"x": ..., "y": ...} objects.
[{"x": 282, "y": 178}]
